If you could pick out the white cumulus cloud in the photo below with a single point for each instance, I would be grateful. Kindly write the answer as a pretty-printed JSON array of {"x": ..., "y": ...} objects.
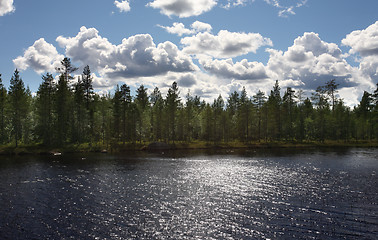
[
  {"x": 41, "y": 57},
  {"x": 286, "y": 9},
  {"x": 136, "y": 56},
  {"x": 6, "y": 6},
  {"x": 224, "y": 45},
  {"x": 123, "y": 6},
  {"x": 242, "y": 70},
  {"x": 183, "y": 8},
  {"x": 180, "y": 29},
  {"x": 365, "y": 44},
  {"x": 198, "y": 26},
  {"x": 310, "y": 60}
]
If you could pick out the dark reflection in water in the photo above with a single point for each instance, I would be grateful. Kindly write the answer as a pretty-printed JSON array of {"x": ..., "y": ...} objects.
[{"x": 192, "y": 195}]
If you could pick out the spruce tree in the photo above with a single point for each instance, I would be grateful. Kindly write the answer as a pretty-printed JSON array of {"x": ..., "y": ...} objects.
[
  {"x": 44, "y": 109},
  {"x": 259, "y": 100},
  {"x": 18, "y": 105},
  {"x": 3, "y": 101},
  {"x": 172, "y": 103}
]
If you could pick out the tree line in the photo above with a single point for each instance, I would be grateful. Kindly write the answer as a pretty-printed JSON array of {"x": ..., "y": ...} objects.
[{"x": 67, "y": 112}]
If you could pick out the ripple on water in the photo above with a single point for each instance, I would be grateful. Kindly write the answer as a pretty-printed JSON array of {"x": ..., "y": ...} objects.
[{"x": 202, "y": 197}]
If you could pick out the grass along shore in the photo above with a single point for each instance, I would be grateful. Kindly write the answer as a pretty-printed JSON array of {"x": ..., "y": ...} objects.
[{"x": 25, "y": 149}]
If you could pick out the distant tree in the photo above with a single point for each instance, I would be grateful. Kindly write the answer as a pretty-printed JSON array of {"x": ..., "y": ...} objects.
[
  {"x": 288, "y": 113},
  {"x": 259, "y": 100},
  {"x": 157, "y": 114},
  {"x": 19, "y": 105},
  {"x": 87, "y": 80},
  {"x": 330, "y": 89},
  {"x": 322, "y": 108},
  {"x": 125, "y": 110},
  {"x": 66, "y": 69},
  {"x": 45, "y": 109},
  {"x": 243, "y": 115},
  {"x": 63, "y": 110},
  {"x": 217, "y": 109},
  {"x": 3, "y": 101},
  {"x": 274, "y": 108},
  {"x": 363, "y": 112},
  {"x": 375, "y": 112},
  {"x": 105, "y": 118},
  {"x": 117, "y": 113},
  {"x": 88, "y": 97},
  {"x": 189, "y": 108},
  {"x": 172, "y": 103},
  {"x": 80, "y": 117},
  {"x": 207, "y": 123},
  {"x": 142, "y": 104},
  {"x": 232, "y": 108}
]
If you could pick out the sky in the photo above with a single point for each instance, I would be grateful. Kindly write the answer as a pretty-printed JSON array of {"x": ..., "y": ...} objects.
[{"x": 209, "y": 47}]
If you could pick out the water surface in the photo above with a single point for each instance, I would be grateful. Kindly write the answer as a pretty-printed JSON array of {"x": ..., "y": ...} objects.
[{"x": 285, "y": 194}]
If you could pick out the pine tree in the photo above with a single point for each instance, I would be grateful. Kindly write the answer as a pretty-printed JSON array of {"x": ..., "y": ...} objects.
[
  {"x": 172, "y": 103},
  {"x": 66, "y": 69},
  {"x": 232, "y": 108},
  {"x": 244, "y": 115},
  {"x": 363, "y": 111},
  {"x": 274, "y": 107},
  {"x": 259, "y": 100},
  {"x": 19, "y": 105},
  {"x": 288, "y": 105},
  {"x": 126, "y": 109},
  {"x": 117, "y": 101},
  {"x": 64, "y": 109},
  {"x": 217, "y": 109},
  {"x": 142, "y": 104},
  {"x": 88, "y": 96},
  {"x": 157, "y": 114},
  {"x": 3, "y": 101},
  {"x": 44, "y": 107},
  {"x": 80, "y": 113},
  {"x": 330, "y": 89},
  {"x": 320, "y": 99}
]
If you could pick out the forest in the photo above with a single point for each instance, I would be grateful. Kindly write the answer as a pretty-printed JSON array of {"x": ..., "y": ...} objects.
[{"x": 70, "y": 112}]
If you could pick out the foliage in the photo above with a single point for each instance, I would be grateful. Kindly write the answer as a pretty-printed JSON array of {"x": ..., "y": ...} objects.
[{"x": 72, "y": 115}]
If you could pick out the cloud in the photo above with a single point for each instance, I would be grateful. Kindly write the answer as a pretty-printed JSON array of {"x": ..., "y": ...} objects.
[
  {"x": 364, "y": 42},
  {"x": 224, "y": 45},
  {"x": 124, "y": 6},
  {"x": 310, "y": 62},
  {"x": 187, "y": 80},
  {"x": 6, "y": 6},
  {"x": 41, "y": 57},
  {"x": 136, "y": 56},
  {"x": 242, "y": 70},
  {"x": 308, "y": 58},
  {"x": 285, "y": 9},
  {"x": 183, "y": 8},
  {"x": 234, "y": 3},
  {"x": 177, "y": 28},
  {"x": 180, "y": 29},
  {"x": 198, "y": 26}
]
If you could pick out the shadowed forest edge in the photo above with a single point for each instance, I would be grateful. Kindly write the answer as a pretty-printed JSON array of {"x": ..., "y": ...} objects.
[{"x": 69, "y": 115}]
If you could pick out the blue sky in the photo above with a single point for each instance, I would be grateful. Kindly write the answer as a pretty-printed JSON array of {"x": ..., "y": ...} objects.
[{"x": 210, "y": 47}]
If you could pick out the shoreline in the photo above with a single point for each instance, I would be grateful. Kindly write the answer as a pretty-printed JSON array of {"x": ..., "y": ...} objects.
[{"x": 196, "y": 145}]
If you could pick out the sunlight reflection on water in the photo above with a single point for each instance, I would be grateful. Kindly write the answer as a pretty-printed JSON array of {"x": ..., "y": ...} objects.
[{"x": 248, "y": 196}]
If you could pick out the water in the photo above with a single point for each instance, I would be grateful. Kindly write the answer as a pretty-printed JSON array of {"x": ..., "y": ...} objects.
[{"x": 310, "y": 194}]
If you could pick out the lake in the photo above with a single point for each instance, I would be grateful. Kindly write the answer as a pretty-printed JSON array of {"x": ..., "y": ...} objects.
[{"x": 218, "y": 194}]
